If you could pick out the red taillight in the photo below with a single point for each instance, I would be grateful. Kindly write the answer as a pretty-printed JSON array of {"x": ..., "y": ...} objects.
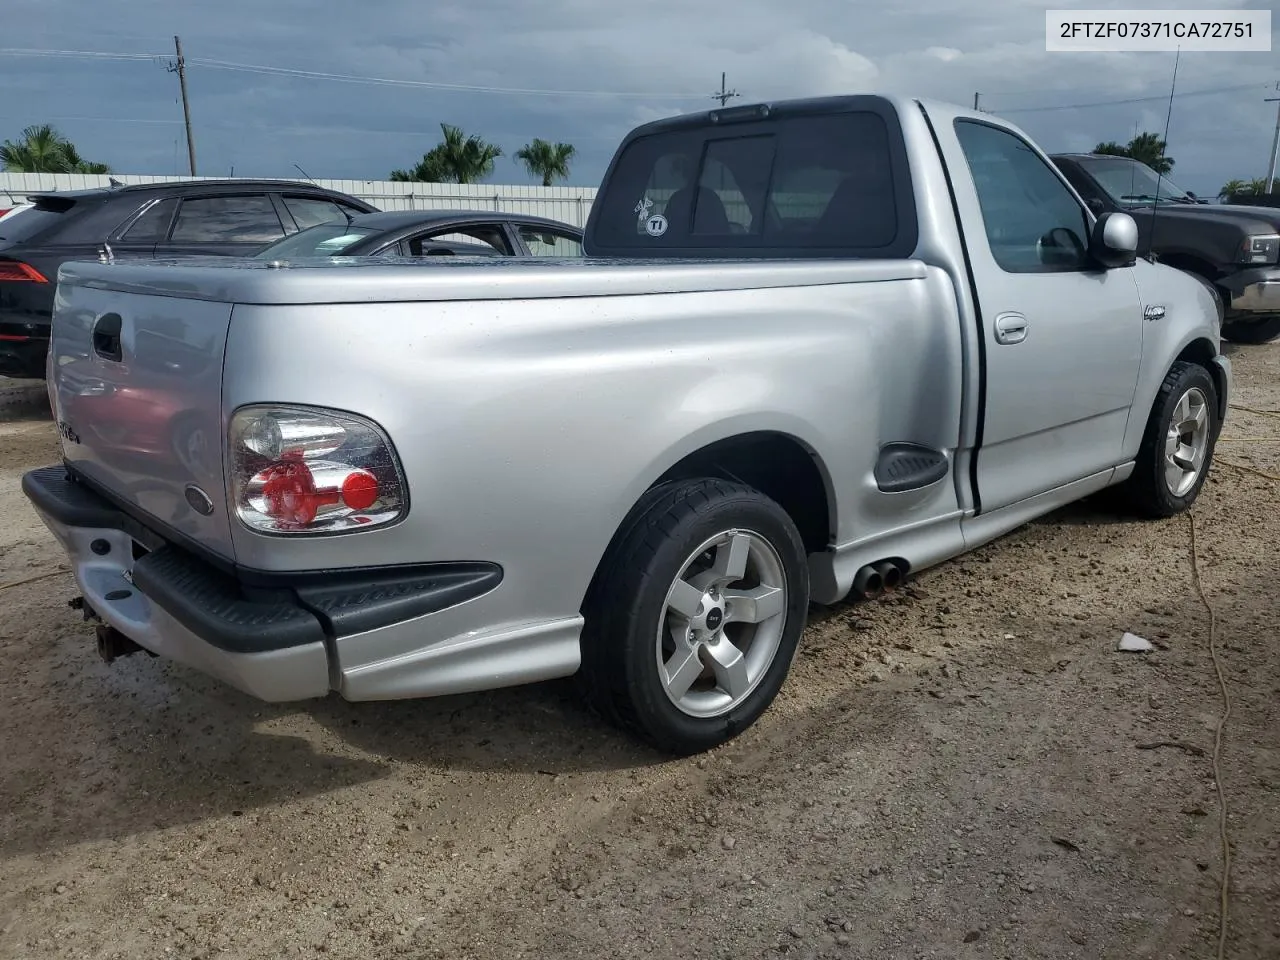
[
  {"x": 303, "y": 470},
  {"x": 16, "y": 271},
  {"x": 294, "y": 493}
]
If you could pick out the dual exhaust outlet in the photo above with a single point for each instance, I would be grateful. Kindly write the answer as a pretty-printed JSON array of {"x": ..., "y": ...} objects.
[{"x": 875, "y": 579}]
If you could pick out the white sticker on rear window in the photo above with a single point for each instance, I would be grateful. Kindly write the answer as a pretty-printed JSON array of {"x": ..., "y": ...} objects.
[
  {"x": 642, "y": 209},
  {"x": 656, "y": 225}
]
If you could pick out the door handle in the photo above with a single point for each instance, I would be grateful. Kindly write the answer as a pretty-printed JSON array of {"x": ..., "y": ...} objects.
[
  {"x": 1011, "y": 328},
  {"x": 106, "y": 337}
]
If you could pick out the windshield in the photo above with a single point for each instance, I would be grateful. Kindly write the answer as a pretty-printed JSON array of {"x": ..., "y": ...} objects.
[
  {"x": 322, "y": 240},
  {"x": 1133, "y": 183}
]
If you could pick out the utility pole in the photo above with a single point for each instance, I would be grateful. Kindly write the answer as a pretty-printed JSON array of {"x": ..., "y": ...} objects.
[
  {"x": 179, "y": 66},
  {"x": 725, "y": 95},
  {"x": 1275, "y": 141},
  {"x": 975, "y": 101}
]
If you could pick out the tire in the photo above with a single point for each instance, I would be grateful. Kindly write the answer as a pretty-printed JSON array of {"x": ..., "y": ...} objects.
[
  {"x": 1252, "y": 331},
  {"x": 632, "y": 620},
  {"x": 1151, "y": 490}
]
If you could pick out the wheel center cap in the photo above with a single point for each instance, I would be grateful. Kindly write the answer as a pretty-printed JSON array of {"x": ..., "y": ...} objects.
[{"x": 714, "y": 618}]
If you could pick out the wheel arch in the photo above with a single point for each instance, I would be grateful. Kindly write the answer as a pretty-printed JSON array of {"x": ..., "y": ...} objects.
[
  {"x": 776, "y": 459},
  {"x": 1202, "y": 352}
]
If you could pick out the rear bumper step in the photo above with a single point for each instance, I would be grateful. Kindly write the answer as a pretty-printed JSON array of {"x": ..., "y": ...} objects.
[{"x": 267, "y": 633}]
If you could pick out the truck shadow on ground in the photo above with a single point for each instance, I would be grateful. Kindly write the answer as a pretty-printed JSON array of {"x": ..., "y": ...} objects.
[{"x": 107, "y": 752}]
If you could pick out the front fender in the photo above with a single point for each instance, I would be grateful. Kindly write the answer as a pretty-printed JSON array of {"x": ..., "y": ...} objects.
[{"x": 1190, "y": 327}]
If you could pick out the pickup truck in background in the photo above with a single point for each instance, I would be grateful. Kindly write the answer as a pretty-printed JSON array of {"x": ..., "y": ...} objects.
[
  {"x": 815, "y": 346},
  {"x": 1234, "y": 248}
]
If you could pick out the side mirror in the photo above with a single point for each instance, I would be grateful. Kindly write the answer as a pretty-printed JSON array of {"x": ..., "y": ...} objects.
[{"x": 1114, "y": 242}]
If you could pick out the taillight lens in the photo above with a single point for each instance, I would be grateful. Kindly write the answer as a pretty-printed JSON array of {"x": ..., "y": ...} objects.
[
  {"x": 15, "y": 271},
  {"x": 301, "y": 470}
]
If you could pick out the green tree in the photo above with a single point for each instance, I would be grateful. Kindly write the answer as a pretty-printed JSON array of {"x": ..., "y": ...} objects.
[
  {"x": 42, "y": 149},
  {"x": 457, "y": 158},
  {"x": 549, "y": 161},
  {"x": 1247, "y": 188},
  {"x": 1146, "y": 148}
]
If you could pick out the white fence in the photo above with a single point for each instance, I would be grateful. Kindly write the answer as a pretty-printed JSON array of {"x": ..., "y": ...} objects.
[{"x": 568, "y": 204}]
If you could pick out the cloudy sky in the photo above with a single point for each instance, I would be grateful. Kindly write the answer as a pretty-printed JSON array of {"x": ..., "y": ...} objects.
[{"x": 583, "y": 71}]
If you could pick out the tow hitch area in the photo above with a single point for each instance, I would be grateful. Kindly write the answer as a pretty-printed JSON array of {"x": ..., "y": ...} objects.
[{"x": 112, "y": 644}]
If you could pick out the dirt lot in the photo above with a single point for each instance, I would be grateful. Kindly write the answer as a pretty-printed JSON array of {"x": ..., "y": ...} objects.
[{"x": 957, "y": 772}]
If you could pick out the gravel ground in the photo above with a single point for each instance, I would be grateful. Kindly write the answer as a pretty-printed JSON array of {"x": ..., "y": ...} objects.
[{"x": 967, "y": 769}]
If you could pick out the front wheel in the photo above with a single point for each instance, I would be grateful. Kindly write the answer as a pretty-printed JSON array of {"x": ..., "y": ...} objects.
[
  {"x": 693, "y": 620},
  {"x": 1177, "y": 448}
]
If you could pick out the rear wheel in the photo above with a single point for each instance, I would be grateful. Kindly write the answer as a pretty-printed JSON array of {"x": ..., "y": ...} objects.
[
  {"x": 1177, "y": 448},
  {"x": 1252, "y": 331},
  {"x": 694, "y": 617}
]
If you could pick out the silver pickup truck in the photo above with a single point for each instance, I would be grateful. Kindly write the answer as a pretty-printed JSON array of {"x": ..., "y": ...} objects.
[{"x": 815, "y": 346}]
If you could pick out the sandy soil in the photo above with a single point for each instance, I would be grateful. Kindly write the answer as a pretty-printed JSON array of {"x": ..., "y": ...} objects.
[{"x": 965, "y": 770}]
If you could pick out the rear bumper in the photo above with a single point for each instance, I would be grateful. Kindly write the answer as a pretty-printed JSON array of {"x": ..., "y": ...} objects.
[
  {"x": 22, "y": 354},
  {"x": 272, "y": 636}
]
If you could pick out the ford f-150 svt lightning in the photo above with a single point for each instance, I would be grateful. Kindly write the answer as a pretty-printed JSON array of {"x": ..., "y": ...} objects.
[{"x": 815, "y": 346}]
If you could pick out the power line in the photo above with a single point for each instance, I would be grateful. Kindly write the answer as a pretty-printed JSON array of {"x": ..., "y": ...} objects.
[
  {"x": 1115, "y": 103},
  {"x": 268, "y": 70},
  {"x": 428, "y": 84},
  {"x": 79, "y": 54}
]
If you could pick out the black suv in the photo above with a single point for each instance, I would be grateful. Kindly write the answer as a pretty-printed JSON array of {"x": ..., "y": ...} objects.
[
  {"x": 190, "y": 217},
  {"x": 1233, "y": 248}
]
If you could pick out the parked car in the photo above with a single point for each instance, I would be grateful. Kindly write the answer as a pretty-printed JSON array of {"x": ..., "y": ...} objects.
[
  {"x": 813, "y": 347},
  {"x": 10, "y": 209},
  {"x": 1235, "y": 249},
  {"x": 212, "y": 217},
  {"x": 419, "y": 233}
]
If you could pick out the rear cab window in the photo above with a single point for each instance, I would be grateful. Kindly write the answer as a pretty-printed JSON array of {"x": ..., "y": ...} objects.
[{"x": 833, "y": 183}]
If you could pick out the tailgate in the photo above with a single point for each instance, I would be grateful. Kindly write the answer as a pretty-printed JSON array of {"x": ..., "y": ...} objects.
[{"x": 137, "y": 388}]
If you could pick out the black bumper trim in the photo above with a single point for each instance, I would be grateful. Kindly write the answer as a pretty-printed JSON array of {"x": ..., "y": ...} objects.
[
  {"x": 253, "y": 611},
  {"x": 210, "y": 605}
]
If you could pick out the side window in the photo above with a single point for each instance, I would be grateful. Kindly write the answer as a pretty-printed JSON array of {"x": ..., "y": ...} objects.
[
  {"x": 309, "y": 211},
  {"x": 543, "y": 242},
  {"x": 488, "y": 238},
  {"x": 153, "y": 225},
  {"x": 229, "y": 219},
  {"x": 1033, "y": 223}
]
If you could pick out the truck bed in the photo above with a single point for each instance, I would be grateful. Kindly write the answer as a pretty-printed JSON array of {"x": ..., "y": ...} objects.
[{"x": 368, "y": 280}]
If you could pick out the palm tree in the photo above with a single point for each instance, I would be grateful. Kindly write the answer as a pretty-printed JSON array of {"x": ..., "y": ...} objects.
[
  {"x": 1146, "y": 148},
  {"x": 550, "y": 161},
  {"x": 455, "y": 159},
  {"x": 1245, "y": 188},
  {"x": 77, "y": 164},
  {"x": 426, "y": 170},
  {"x": 42, "y": 149},
  {"x": 39, "y": 151},
  {"x": 1234, "y": 188},
  {"x": 1111, "y": 149}
]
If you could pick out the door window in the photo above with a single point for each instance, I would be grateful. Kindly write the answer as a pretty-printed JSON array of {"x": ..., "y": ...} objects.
[
  {"x": 543, "y": 242},
  {"x": 153, "y": 225},
  {"x": 481, "y": 239},
  {"x": 1033, "y": 222},
  {"x": 309, "y": 211},
  {"x": 228, "y": 219}
]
